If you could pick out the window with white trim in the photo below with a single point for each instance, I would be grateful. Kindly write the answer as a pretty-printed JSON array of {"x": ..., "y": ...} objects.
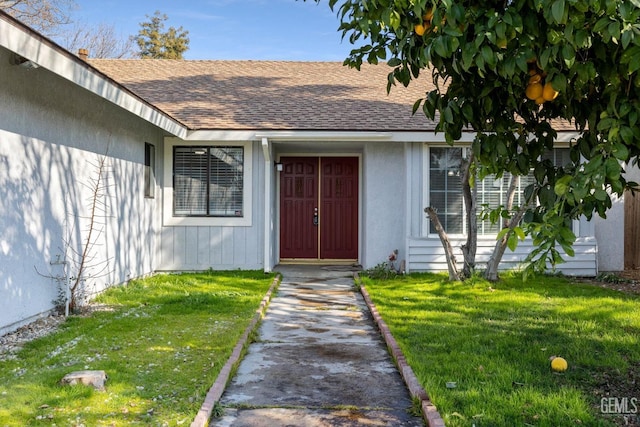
[
  {"x": 208, "y": 181},
  {"x": 444, "y": 189},
  {"x": 149, "y": 170}
]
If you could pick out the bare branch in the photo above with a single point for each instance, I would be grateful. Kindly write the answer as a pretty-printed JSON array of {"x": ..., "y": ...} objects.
[
  {"x": 454, "y": 274},
  {"x": 45, "y": 16},
  {"x": 101, "y": 41}
]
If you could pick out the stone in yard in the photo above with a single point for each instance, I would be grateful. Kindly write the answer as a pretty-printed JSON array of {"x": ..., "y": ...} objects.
[{"x": 95, "y": 379}]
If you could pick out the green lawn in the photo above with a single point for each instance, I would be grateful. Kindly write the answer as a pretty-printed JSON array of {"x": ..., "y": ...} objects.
[
  {"x": 494, "y": 342},
  {"x": 162, "y": 348}
]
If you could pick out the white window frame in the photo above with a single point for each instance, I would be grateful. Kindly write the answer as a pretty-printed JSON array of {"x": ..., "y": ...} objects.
[
  {"x": 149, "y": 170},
  {"x": 426, "y": 162},
  {"x": 426, "y": 223},
  {"x": 167, "y": 190}
]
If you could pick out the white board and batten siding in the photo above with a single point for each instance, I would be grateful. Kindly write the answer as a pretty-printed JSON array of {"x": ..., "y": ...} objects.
[
  {"x": 222, "y": 244},
  {"x": 424, "y": 252},
  {"x": 219, "y": 248},
  {"x": 427, "y": 255}
]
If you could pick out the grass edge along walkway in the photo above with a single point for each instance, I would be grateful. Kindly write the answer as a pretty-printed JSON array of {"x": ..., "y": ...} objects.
[
  {"x": 482, "y": 349},
  {"x": 216, "y": 390},
  {"x": 162, "y": 341},
  {"x": 429, "y": 411}
]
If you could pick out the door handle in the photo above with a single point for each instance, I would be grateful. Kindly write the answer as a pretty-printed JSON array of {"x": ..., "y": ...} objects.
[{"x": 316, "y": 220}]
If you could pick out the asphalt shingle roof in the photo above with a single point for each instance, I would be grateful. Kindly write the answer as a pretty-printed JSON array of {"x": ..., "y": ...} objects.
[{"x": 272, "y": 95}]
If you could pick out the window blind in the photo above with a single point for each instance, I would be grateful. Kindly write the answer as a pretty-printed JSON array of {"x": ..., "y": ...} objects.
[
  {"x": 445, "y": 189},
  {"x": 208, "y": 181}
]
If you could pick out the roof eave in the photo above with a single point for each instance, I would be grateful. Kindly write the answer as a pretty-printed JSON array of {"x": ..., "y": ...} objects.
[{"x": 29, "y": 44}]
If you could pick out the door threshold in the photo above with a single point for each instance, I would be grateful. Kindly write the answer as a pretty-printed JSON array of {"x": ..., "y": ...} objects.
[{"x": 309, "y": 261}]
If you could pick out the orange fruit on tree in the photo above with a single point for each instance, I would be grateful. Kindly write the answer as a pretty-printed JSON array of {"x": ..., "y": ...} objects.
[
  {"x": 420, "y": 29},
  {"x": 535, "y": 78},
  {"x": 534, "y": 91},
  {"x": 548, "y": 92},
  {"x": 540, "y": 100},
  {"x": 428, "y": 16}
]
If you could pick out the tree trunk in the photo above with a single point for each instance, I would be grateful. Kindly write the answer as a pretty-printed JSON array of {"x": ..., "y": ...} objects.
[
  {"x": 470, "y": 196},
  {"x": 491, "y": 272},
  {"x": 454, "y": 274}
]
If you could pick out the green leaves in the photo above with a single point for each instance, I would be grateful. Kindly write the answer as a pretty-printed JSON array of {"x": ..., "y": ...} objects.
[
  {"x": 588, "y": 50},
  {"x": 562, "y": 185},
  {"x": 559, "y": 11},
  {"x": 156, "y": 43},
  {"x": 513, "y": 236}
]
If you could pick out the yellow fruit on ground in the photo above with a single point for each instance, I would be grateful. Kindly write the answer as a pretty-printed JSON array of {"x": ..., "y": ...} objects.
[
  {"x": 549, "y": 93},
  {"x": 420, "y": 29},
  {"x": 558, "y": 364},
  {"x": 534, "y": 91}
]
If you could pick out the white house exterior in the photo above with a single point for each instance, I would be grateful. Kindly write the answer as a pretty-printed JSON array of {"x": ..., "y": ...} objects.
[{"x": 193, "y": 181}]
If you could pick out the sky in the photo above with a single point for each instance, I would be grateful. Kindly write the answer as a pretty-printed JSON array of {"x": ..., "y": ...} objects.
[{"x": 286, "y": 30}]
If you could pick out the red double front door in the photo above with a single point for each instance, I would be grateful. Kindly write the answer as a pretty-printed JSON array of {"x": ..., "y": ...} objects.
[{"x": 319, "y": 208}]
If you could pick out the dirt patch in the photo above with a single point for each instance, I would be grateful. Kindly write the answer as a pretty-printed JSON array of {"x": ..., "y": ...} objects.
[
  {"x": 627, "y": 281},
  {"x": 13, "y": 342},
  {"x": 616, "y": 391},
  {"x": 619, "y": 385}
]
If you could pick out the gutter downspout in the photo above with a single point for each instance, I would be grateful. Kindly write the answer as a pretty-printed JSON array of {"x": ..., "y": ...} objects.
[
  {"x": 268, "y": 177},
  {"x": 408, "y": 147}
]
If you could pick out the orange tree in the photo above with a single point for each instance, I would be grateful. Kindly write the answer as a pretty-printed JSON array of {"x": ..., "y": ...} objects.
[{"x": 510, "y": 71}]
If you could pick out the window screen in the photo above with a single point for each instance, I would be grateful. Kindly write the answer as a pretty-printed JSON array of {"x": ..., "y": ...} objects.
[
  {"x": 445, "y": 189},
  {"x": 208, "y": 181},
  {"x": 149, "y": 170}
]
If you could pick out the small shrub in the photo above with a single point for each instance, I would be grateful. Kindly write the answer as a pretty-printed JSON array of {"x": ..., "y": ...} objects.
[
  {"x": 609, "y": 277},
  {"x": 381, "y": 271}
]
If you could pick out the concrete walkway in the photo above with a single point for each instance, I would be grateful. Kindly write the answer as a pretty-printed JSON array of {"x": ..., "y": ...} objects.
[{"x": 318, "y": 361}]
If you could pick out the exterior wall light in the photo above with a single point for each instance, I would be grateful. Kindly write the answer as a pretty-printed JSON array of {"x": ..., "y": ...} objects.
[{"x": 23, "y": 62}]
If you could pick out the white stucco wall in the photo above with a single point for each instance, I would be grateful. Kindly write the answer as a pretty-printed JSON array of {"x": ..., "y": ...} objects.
[
  {"x": 52, "y": 133},
  {"x": 610, "y": 232},
  {"x": 610, "y": 237},
  {"x": 383, "y": 202}
]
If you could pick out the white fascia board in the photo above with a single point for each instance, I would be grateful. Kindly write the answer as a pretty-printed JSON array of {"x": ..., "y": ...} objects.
[
  {"x": 324, "y": 136},
  {"x": 564, "y": 137},
  {"x": 567, "y": 136},
  {"x": 318, "y": 136},
  {"x": 65, "y": 65},
  {"x": 282, "y": 136},
  {"x": 221, "y": 135}
]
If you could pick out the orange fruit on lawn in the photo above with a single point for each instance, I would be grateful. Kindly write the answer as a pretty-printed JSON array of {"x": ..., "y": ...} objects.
[
  {"x": 534, "y": 91},
  {"x": 549, "y": 93},
  {"x": 558, "y": 364}
]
